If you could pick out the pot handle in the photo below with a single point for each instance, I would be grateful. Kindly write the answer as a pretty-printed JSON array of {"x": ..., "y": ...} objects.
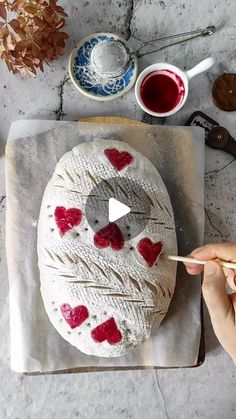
[{"x": 200, "y": 67}]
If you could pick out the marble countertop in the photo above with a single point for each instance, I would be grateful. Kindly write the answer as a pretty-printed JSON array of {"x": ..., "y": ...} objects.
[{"x": 204, "y": 392}]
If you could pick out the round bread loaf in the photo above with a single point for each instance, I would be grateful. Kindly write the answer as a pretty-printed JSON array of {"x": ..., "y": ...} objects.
[{"x": 104, "y": 298}]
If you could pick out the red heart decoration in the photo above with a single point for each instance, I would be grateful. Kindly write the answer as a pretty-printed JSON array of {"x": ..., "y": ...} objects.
[
  {"x": 149, "y": 250},
  {"x": 110, "y": 235},
  {"x": 118, "y": 159},
  {"x": 66, "y": 219},
  {"x": 107, "y": 331},
  {"x": 74, "y": 316}
]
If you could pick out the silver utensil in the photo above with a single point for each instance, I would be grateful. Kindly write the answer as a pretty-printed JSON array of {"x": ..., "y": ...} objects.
[{"x": 209, "y": 30}]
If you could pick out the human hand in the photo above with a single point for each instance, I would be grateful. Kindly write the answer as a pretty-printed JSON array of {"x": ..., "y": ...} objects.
[{"x": 221, "y": 306}]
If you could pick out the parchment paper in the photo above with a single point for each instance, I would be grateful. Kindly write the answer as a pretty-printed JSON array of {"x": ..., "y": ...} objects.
[{"x": 178, "y": 154}]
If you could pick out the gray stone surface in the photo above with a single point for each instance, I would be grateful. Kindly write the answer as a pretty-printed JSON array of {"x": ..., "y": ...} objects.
[{"x": 205, "y": 392}]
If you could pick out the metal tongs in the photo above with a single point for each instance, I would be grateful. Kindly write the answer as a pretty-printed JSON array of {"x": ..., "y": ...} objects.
[{"x": 209, "y": 30}]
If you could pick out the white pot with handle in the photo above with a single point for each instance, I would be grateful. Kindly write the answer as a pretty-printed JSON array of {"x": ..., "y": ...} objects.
[{"x": 180, "y": 77}]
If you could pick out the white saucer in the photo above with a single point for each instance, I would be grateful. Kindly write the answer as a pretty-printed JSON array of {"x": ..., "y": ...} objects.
[{"x": 103, "y": 73}]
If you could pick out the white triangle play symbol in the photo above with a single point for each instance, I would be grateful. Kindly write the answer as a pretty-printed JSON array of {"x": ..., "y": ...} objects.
[{"x": 117, "y": 210}]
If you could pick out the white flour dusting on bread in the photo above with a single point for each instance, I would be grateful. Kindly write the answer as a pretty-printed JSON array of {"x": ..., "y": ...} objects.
[{"x": 104, "y": 298}]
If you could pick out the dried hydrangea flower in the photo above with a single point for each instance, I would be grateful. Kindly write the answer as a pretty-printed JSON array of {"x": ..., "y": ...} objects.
[{"x": 33, "y": 37}]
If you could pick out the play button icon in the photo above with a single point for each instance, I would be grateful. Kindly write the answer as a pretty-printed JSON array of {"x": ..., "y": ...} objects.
[
  {"x": 117, "y": 210},
  {"x": 118, "y": 202}
]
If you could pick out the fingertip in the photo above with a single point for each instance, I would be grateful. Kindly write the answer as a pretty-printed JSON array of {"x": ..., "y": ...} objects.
[
  {"x": 194, "y": 270},
  {"x": 189, "y": 269},
  {"x": 191, "y": 265},
  {"x": 192, "y": 273}
]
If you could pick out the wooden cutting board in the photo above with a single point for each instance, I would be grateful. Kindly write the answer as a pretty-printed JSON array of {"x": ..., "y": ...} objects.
[{"x": 111, "y": 120}]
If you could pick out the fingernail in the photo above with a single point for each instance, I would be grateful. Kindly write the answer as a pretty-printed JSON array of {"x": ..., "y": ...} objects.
[
  {"x": 190, "y": 267},
  {"x": 210, "y": 268}
]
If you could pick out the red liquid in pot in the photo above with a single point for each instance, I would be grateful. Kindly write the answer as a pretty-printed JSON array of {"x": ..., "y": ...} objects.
[{"x": 161, "y": 93}]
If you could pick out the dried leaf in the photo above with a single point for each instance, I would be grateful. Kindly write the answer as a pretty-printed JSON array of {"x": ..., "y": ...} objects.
[
  {"x": 28, "y": 30},
  {"x": 39, "y": 22},
  {"x": 23, "y": 52},
  {"x": 3, "y": 11},
  {"x": 48, "y": 18},
  {"x": 9, "y": 65},
  {"x": 2, "y": 48},
  {"x": 60, "y": 24},
  {"x": 31, "y": 71},
  {"x": 15, "y": 24},
  {"x": 33, "y": 36},
  {"x": 49, "y": 52},
  {"x": 61, "y": 11},
  {"x": 21, "y": 33},
  {"x": 27, "y": 61},
  {"x": 36, "y": 61},
  {"x": 35, "y": 50},
  {"x": 31, "y": 9},
  {"x": 3, "y": 31},
  {"x": 15, "y": 4},
  {"x": 22, "y": 44},
  {"x": 64, "y": 35},
  {"x": 60, "y": 50},
  {"x": 21, "y": 20},
  {"x": 8, "y": 42},
  {"x": 41, "y": 66},
  {"x": 22, "y": 71}
]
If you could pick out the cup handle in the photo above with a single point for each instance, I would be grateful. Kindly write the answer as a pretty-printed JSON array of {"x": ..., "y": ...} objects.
[{"x": 200, "y": 68}]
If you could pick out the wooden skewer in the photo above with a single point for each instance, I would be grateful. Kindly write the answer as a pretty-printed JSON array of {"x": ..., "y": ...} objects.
[{"x": 229, "y": 265}]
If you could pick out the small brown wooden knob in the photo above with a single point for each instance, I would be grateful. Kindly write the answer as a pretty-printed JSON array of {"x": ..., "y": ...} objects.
[
  {"x": 219, "y": 138},
  {"x": 224, "y": 92}
]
